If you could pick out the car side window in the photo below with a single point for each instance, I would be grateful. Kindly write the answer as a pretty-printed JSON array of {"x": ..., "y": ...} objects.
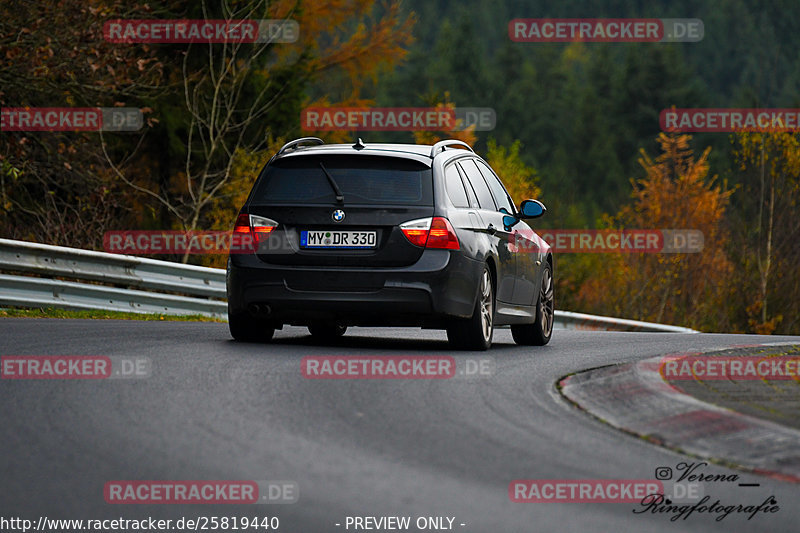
[
  {"x": 478, "y": 185},
  {"x": 455, "y": 187},
  {"x": 501, "y": 197},
  {"x": 473, "y": 199}
]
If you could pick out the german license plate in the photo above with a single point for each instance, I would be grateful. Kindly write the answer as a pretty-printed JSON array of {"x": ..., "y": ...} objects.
[{"x": 338, "y": 239}]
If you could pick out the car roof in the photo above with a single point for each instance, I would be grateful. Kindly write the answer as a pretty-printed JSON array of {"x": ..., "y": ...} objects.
[{"x": 417, "y": 152}]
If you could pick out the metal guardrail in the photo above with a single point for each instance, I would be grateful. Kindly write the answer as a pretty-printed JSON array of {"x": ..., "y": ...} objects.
[
  {"x": 137, "y": 278},
  {"x": 74, "y": 263},
  {"x": 28, "y": 291},
  {"x": 570, "y": 320}
]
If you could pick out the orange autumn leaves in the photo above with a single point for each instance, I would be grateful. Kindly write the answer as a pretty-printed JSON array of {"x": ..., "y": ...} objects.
[{"x": 685, "y": 289}]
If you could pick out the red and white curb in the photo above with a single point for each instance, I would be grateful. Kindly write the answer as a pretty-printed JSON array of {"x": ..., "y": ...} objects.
[{"x": 635, "y": 398}]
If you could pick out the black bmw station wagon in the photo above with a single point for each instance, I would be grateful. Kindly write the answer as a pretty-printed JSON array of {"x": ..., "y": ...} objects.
[{"x": 388, "y": 235}]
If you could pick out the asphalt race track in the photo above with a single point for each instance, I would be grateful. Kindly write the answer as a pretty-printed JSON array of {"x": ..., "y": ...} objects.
[{"x": 214, "y": 409}]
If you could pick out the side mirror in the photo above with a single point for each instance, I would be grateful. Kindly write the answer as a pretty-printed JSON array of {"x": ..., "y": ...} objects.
[
  {"x": 531, "y": 209},
  {"x": 509, "y": 221}
]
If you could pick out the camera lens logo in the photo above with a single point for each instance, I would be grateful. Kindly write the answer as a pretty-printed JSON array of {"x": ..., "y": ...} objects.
[
  {"x": 338, "y": 215},
  {"x": 663, "y": 473}
]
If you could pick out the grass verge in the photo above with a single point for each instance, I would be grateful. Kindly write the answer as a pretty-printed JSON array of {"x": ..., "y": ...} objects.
[{"x": 51, "y": 312}]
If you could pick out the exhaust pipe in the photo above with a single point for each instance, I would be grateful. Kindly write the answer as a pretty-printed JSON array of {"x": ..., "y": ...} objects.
[{"x": 260, "y": 309}]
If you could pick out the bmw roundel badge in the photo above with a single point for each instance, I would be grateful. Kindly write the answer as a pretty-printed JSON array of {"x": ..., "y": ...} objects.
[{"x": 338, "y": 215}]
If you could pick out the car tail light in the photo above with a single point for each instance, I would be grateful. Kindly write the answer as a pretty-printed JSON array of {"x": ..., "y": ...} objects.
[
  {"x": 442, "y": 235},
  {"x": 436, "y": 232},
  {"x": 242, "y": 224},
  {"x": 258, "y": 227},
  {"x": 416, "y": 231}
]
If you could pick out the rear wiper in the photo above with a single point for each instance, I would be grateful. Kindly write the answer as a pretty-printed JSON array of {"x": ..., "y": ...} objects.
[{"x": 334, "y": 186}]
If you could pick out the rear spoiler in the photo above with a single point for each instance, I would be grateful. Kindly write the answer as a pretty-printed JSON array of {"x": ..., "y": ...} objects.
[
  {"x": 297, "y": 143},
  {"x": 441, "y": 145}
]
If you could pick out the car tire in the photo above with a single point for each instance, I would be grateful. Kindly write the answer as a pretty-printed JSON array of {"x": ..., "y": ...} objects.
[
  {"x": 327, "y": 331},
  {"x": 245, "y": 328},
  {"x": 540, "y": 332},
  {"x": 475, "y": 332}
]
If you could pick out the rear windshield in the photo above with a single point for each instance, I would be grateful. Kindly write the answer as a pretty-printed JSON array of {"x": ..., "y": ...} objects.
[{"x": 362, "y": 180}]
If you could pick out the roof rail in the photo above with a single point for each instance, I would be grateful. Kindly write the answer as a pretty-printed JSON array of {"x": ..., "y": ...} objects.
[
  {"x": 297, "y": 142},
  {"x": 441, "y": 145}
]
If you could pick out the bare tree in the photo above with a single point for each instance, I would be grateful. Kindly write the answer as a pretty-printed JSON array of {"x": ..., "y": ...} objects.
[{"x": 227, "y": 92}]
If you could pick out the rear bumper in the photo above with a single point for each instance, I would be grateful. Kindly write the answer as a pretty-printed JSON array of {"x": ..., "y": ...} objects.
[{"x": 440, "y": 285}]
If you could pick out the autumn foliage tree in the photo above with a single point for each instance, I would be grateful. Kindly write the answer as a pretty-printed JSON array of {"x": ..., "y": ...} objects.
[
  {"x": 521, "y": 180},
  {"x": 690, "y": 289},
  {"x": 766, "y": 229},
  {"x": 348, "y": 43},
  {"x": 55, "y": 186},
  {"x": 458, "y": 131},
  {"x": 234, "y": 97},
  {"x": 205, "y": 105}
]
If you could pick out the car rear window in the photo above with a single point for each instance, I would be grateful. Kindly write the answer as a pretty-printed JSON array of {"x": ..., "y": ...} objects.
[{"x": 363, "y": 180}]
